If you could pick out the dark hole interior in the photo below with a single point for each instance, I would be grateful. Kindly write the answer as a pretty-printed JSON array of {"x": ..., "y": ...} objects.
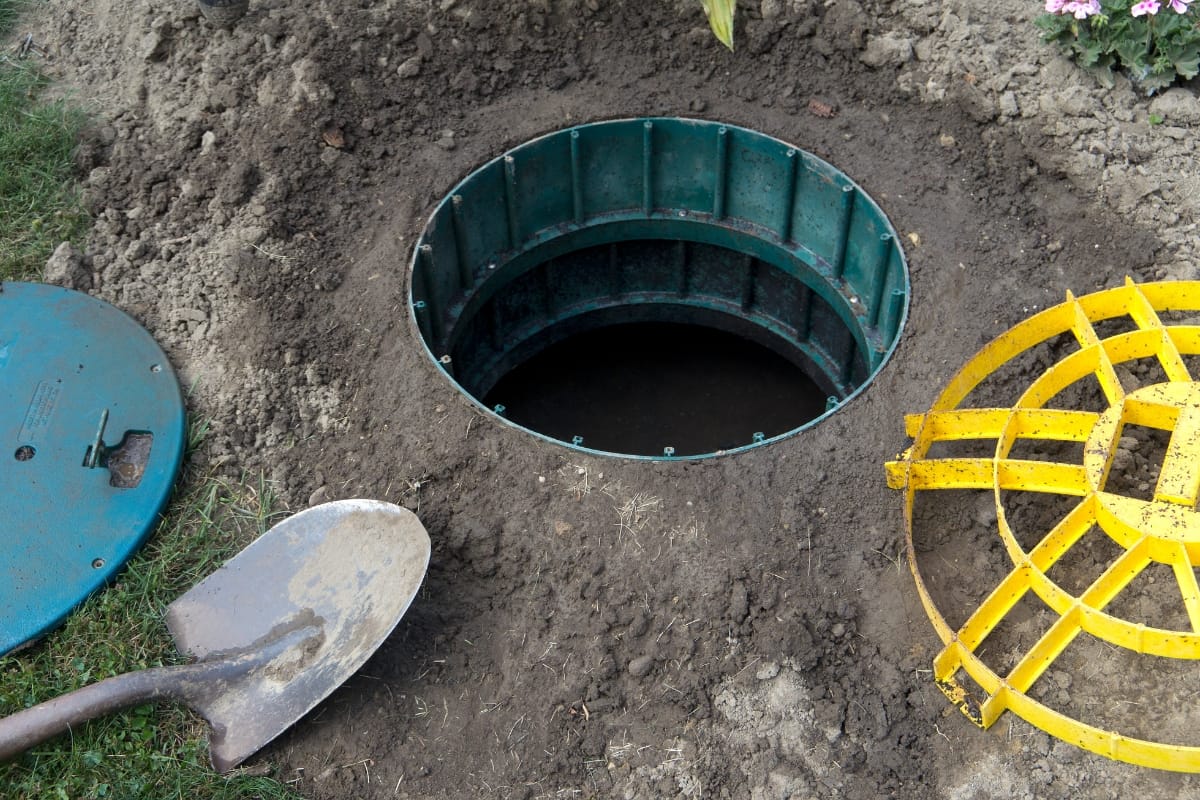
[{"x": 637, "y": 388}]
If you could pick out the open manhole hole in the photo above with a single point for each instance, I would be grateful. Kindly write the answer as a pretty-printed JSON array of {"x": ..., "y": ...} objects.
[{"x": 659, "y": 288}]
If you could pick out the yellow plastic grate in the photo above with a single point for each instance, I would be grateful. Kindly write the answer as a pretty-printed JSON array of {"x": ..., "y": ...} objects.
[{"x": 1160, "y": 529}]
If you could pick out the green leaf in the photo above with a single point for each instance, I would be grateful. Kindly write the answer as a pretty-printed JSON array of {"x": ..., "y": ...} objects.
[
  {"x": 1054, "y": 26},
  {"x": 1132, "y": 52},
  {"x": 1187, "y": 62},
  {"x": 1103, "y": 74},
  {"x": 1153, "y": 82},
  {"x": 720, "y": 19},
  {"x": 1090, "y": 54}
]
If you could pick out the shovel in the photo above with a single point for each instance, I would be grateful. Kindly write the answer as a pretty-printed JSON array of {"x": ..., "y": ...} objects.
[{"x": 273, "y": 632}]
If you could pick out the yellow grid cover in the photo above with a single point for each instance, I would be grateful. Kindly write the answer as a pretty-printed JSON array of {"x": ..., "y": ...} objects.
[{"x": 1164, "y": 530}]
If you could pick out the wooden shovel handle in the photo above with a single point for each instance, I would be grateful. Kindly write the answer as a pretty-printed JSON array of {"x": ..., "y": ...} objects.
[{"x": 186, "y": 684}]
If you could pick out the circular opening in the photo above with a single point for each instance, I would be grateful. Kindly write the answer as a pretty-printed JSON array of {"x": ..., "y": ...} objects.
[
  {"x": 24, "y": 453},
  {"x": 659, "y": 288},
  {"x": 98, "y": 563}
]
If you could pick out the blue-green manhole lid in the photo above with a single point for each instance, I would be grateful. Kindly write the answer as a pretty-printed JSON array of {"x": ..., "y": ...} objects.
[{"x": 91, "y": 438}]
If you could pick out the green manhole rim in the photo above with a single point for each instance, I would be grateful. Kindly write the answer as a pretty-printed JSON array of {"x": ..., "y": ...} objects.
[{"x": 672, "y": 179}]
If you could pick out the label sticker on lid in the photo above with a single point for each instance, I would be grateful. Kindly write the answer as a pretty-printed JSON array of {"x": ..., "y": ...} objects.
[{"x": 41, "y": 409}]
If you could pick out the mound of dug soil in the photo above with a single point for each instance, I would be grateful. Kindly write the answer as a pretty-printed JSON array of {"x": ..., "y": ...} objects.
[{"x": 592, "y": 627}]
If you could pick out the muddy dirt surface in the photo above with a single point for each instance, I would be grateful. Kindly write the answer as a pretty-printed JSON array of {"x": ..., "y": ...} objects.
[{"x": 741, "y": 627}]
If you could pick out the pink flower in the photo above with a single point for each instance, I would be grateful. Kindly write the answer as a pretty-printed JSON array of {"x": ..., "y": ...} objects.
[
  {"x": 1082, "y": 9},
  {"x": 1055, "y": 6},
  {"x": 1179, "y": 6},
  {"x": 1145, "y": 7}
]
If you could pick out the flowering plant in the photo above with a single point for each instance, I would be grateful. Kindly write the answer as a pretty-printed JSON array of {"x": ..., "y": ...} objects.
[{"x": 1154, "y": 41}]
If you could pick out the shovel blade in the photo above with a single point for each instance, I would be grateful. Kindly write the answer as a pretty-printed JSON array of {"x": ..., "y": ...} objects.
[{"x": 330, "y": 584}]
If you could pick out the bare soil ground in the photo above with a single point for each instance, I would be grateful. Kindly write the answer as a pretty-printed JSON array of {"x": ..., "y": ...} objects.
[{"x": 740, "y": 627}]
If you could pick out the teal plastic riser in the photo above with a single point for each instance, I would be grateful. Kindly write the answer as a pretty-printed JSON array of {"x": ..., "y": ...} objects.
[{"x": 669, "y": 219}]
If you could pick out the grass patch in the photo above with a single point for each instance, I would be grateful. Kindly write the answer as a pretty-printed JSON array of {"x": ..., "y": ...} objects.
[
  {"x": 8, "y": 15},
  {"x": 149, "y": 751},
  {"x": 39, "y": 202}
]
